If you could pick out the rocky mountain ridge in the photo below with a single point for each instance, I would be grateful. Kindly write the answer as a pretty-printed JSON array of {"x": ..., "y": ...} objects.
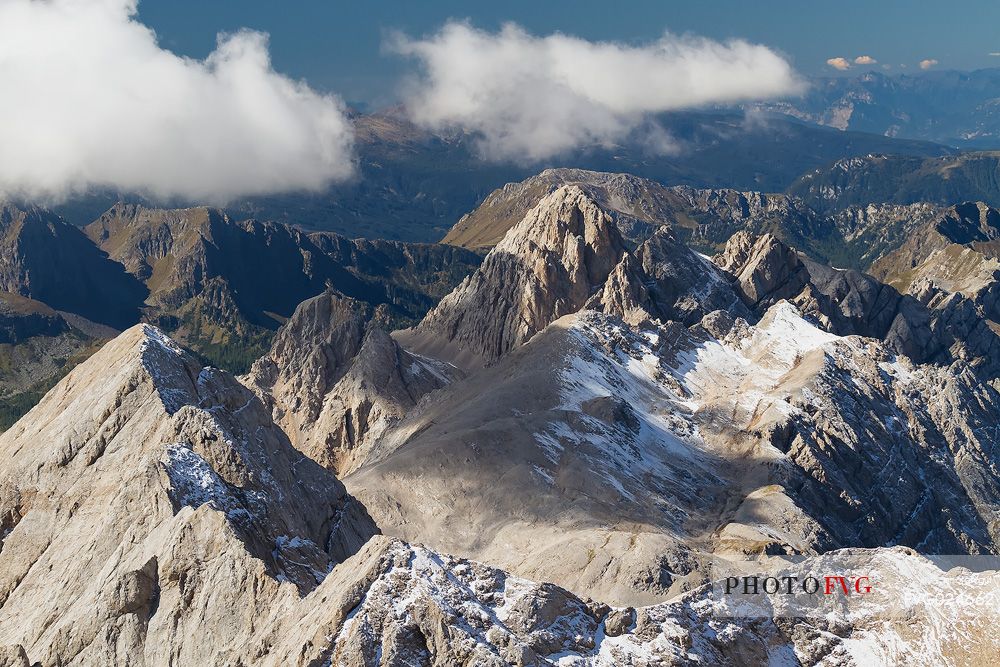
[
  {"x": 211, "y": 278},
  {"x": 766, "y": 409},
  {"x": 142, "y": 489},
  {"x": 881, "y": 178},
  {"x": 926, "y": 324},
  {"x": 335, "y": 380},
  {"x": 951, "y": 107},
  {"x": 848, "y": 236}
]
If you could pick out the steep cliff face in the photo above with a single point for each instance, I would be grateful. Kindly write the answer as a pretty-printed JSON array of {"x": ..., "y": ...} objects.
[
  {"x": 22, "y": 318},
  {"x": 335, "y": 381},
  {"x": 548, "y": 265},
  {"x": 567, "y": 254},
  {"x": 151, "y": 512}
]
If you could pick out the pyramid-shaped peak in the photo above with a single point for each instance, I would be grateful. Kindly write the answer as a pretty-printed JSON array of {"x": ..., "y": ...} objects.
[{"x": 548, "y": 265}]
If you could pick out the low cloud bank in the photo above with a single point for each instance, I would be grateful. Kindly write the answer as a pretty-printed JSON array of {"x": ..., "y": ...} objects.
[
  {"x": 91, "y": 100},
  {"x": 527, "y": 97}
]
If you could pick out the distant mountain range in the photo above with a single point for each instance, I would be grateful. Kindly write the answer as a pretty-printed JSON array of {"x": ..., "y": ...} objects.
[
  {"x": 900, "y": 179},
  {"x": 849, "y": 232},
  {"x": 413, "y": 185},
  {"x": 220, "y": 286},
  {"x": 960, "y": 109}
]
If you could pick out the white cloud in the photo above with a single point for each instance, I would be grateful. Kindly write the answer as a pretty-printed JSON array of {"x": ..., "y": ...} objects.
[
  {"x": 928, "y": 63},
  {"x": 91, "y": 100},
  {"x": 528, "y": 97},
  {"x": 864, "y": 60},
  {"x": 839, "y": 63}
]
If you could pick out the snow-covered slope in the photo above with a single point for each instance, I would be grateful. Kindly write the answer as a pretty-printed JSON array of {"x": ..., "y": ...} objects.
[
  {"x": 637, "y": 451},
  {"x": 397, "y": 604}
]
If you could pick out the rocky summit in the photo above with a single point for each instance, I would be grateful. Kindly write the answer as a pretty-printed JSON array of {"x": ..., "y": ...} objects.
[
  {"x": 547, "y": 469},
  {"x": 335, "y": 380}
]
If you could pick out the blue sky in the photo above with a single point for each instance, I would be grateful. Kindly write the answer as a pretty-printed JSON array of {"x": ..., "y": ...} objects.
[{"x": 336, "y": 45}]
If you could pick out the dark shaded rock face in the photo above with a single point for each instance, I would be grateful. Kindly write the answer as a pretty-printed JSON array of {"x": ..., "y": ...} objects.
[
  {"x": 223, "y": 286},
  {"x": 46, "y": 259},
  {"x": 684, "y": 285}
]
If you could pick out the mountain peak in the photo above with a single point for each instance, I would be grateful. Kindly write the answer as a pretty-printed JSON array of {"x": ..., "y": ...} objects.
[
  {"x": 335, "y": 381},
  {"x": 546, "y": 266}
]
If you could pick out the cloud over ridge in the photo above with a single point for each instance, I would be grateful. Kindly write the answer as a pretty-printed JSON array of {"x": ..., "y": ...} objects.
[
  {"x": 529, "y": 97},
  {"x": 91, "y": 100}
]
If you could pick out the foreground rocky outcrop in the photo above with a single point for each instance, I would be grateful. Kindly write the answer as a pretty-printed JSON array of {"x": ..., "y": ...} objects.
[
  {"x": 398, "y": 604},
  {"x": 153, "y": 515},
  {"x": 151, "y": 511}
]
